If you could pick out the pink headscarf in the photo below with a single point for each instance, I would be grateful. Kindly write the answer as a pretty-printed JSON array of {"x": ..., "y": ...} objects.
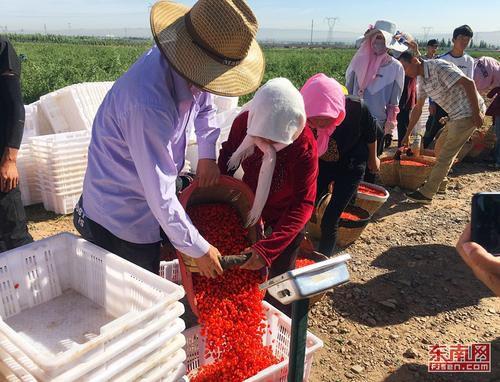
[
  {"x": 486, "y": 73},
  {"x": 365, "y": 64},
  {"x": 324, "y": 97}
]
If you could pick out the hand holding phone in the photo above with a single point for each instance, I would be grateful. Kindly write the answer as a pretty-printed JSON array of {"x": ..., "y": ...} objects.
[
  {"x": 485, "y": 266},
  {"x": 485, "y": 223}
]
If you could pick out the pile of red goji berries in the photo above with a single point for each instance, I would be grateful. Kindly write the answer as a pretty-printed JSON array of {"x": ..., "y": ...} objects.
[
  {"x": 365, "y": 189},
  {"x": 230, "y": 309},
  {"x": 301, "y": 263},
  {"x": 349, "y": 216}
]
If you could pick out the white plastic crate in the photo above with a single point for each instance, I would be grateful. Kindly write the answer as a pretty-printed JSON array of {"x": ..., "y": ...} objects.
[
  {"x": 278, "y": 338},
  {"x": 65, "y": 273},
  {"x": 118, "y": 358},
  {"x": 73, "y": 108},
  {"x": 169, "y": 360},
  {"x": 61, "y": 140},
  {"x": 224, "y": 104},
  {"x": 61, "y": 204},
  {"x": 50, "y": 107},
  {"x": 171, "y": 271},
  {"x": 28, "y": 177}
]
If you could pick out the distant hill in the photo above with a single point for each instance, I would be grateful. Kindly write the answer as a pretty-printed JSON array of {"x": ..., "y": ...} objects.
[{"x": 269, "y": 35}]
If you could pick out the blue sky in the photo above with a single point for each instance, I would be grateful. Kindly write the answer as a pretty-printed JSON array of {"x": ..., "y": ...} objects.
[{"x": 354, "y": 16}]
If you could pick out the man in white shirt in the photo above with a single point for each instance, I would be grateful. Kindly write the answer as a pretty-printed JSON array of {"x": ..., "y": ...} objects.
[{"x": 461, "y": 40}]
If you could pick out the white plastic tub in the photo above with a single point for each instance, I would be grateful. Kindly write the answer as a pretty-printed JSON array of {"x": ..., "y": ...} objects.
[
  {"x": 124, "y": 304},
  {"x": 170, "y": 270},
  {"x": 61, "y": 203},
  {"x": 278, "y": 338}
]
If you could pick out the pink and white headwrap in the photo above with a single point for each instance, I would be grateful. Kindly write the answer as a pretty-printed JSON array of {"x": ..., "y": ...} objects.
[{"x": 365, "y": 64}]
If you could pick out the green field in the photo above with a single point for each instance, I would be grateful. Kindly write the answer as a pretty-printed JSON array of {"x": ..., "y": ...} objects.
[{"x": 52, "y": 65}]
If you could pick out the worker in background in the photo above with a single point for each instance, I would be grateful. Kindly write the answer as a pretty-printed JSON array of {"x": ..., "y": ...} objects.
[{"x": 13, "y": 229}]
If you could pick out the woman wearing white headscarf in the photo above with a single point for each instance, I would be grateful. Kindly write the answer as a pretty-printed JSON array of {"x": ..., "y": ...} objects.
[{"x": 278, "y": 154}]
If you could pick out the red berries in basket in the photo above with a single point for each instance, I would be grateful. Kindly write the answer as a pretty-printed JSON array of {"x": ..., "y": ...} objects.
[
  {"x": 364, "y": 189},
  {"x": 230, "y": 309}
]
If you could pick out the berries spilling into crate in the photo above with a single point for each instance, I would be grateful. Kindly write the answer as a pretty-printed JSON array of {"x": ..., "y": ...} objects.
[
  {"x": 230, "y": 309},
  {"x": 301, "y": 263}
]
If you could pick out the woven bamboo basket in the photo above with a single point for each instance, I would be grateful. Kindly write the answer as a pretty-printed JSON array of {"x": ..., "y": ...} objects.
[
  {"x": 349, "y": 231},
  {"x": 314, "y": 225},
  {"x": 412, "y": 177},
  {"x": 389, "y": 174},
  {"x": 371, "y": 203}
]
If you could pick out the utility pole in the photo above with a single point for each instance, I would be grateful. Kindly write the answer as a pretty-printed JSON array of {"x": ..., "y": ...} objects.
[
  {"x": 312, "y": 31},
  {"x": 45, "y": 28},
  {"x": 69, "y": 28},
  {"x": 331, "y": 24},
  {"x": 426, "y": 32}
]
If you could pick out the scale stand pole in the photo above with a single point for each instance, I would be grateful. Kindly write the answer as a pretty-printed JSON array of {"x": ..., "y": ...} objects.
[{"x": 300, "y": 310}]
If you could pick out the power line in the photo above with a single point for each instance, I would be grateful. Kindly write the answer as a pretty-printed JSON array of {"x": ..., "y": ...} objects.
[
  {"x": 331, "y": 24},
  {"x": 426, "y": 32},
  {"x": 312, "y": 30}
]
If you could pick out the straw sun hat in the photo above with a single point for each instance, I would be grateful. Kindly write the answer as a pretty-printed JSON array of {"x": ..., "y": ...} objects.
[{"x": 212, "y": 44}]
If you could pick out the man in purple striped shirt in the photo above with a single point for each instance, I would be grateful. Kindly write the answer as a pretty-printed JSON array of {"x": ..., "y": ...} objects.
[{"x": 140, "y": 131}]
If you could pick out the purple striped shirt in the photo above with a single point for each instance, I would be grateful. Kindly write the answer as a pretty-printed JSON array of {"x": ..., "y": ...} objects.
[{"x": 137, "y": 150}]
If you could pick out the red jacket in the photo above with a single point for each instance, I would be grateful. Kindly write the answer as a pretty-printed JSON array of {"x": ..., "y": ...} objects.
[{"x": 290, "y": 203}]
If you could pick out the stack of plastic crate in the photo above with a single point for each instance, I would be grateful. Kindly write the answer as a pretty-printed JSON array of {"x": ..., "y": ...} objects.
[
  {"x": 61, "y": 161},
  {"x": 71, "y": 311},
  {"x": 28, "y": 177},
  {"x": 73, "y": 108}
]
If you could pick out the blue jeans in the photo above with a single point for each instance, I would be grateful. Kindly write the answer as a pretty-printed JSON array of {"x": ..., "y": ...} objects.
[{"x": 497, "y": 133}]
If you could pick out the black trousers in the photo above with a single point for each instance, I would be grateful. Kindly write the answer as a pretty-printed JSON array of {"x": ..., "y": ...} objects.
[
  {"x": 347, "y": 174},
  {"x": 403, "y": 122},
  {"x": 432, "y": 126},
  {"x": 13, "y": 223},
  {"x": 146, "y": 256},
  {"x": 380, "y": 138}
]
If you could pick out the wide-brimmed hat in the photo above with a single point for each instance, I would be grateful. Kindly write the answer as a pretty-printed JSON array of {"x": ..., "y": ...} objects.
[
  {"x": 213, "y": 44},
  {"x": 390, "y": 33}
]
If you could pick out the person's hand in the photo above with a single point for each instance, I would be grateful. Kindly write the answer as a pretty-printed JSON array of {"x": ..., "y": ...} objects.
[
  {"x": 406, "y": 140},
  {"x": 207, "y": 172},
  {"x": 209, "y": 264},
  {"x": 255, "y": 262},
  {"x": 387, "y": 140},
  {"x": 485, "y": 266},
  {"x": 477, "y": 120},
  {"x": 432, "y": 108},
  {"x": 374, "y": 165},
  {"x": 444, "y": 120},
  {"x": 413, "y": 45},
  {"x": 9, "y": 177}
]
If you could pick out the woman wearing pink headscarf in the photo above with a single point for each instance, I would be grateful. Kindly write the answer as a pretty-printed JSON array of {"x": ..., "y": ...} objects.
[
  {"x": 377, "y": 78},
  {"x": 347, "y": 144}
]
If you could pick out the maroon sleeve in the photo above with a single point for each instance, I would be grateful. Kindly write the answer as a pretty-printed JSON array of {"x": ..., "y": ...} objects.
[
  {"x": 236, "y": 136},
  {"x": 299, "y": 212}
]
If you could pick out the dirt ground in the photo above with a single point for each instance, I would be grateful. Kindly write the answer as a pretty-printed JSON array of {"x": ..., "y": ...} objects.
[{"x": 409, "y": 289}]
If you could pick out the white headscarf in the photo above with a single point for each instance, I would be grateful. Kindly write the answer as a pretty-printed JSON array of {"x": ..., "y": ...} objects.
[{"x": 276, "y": 113}]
